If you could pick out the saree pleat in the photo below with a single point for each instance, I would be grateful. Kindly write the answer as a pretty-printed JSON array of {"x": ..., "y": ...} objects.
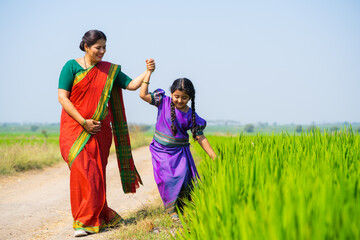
[{"x": 87, "y": 155}]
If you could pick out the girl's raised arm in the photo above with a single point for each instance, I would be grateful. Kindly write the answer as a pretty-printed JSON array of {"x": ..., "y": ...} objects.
[
  {"x": 144, "y": 90},
  {"x": 136, "y": 82},
  {"x": 204, "y": 143}
]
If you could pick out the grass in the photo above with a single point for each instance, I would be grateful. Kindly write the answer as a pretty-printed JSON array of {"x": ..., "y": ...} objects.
[
  {"x": 150, "y": 222},
  {"x": 23, "y": 151},
  {"x": 23, "y": 157},
  {"x": 137, "y": 139},
  {"x": 278, "y": 187}
]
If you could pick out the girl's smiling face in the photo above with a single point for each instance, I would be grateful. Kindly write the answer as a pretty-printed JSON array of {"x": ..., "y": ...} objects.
[
  {"x": 180, "y": 100},
  {"x": 96, "y": 52}
]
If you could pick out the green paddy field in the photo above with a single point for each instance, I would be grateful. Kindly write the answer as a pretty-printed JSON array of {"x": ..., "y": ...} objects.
[
  {"x": 284, "y": 186},
  {"x": 271, "y": 184}
]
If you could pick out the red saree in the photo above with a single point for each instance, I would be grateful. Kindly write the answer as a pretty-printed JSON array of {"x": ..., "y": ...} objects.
[{"x": 87, "y": 154}]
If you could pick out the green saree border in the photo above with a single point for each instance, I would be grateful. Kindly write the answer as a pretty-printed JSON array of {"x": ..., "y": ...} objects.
[
  {"x": 80, "y": 75},
  {"x": 170, "y": 140},
  {"x": 100, "y": 113}
]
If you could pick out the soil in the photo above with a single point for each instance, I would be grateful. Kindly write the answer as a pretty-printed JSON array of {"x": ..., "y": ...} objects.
[{"x": 36, "y": 204}]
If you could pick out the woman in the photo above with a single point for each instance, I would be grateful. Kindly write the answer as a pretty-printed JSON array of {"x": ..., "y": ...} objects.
[{"x": 90, "y": 92}]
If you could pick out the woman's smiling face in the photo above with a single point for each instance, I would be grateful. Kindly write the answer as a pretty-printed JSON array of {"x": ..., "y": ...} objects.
[{"x": 97, "y": 51}]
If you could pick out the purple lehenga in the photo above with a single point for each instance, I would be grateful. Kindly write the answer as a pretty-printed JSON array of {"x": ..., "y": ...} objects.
[{"x": 174, "y": 167}]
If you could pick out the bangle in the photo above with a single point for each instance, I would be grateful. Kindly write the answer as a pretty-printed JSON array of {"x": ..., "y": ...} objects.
[
  {"x": 146, "y": 82},
  {"x": 83, "y": 122}
]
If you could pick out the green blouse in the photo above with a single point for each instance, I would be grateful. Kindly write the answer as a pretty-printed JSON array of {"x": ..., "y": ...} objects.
[{"x": 72, "y": 67}]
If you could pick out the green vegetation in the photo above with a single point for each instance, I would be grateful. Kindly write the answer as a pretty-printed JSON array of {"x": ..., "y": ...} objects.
[
  {"x": 22, "y": 157},
  {"x": 22, "y": 152},
  {"x": 9, "y": 129},
  {"x": 278, "y": 182},
  {"x": 265, "y": 128},
  {"x": 26, "y": 147},
  {"x": 249, "y": 128},
  {"x": 139, "y": 136},
  {"x": 150, "y": 222},
  {"x": 285, "y": 186}
]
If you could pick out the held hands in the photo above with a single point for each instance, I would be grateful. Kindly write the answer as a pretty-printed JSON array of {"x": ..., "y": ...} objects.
[
  {"x": 92, "y": 126},
  {"x": 150, "y": 64}
]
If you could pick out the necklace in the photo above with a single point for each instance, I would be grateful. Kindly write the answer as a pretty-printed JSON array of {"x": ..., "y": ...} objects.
[{"x": 85, "y": 63}]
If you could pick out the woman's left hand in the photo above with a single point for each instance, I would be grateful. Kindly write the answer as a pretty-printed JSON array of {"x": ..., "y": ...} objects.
[
  {"x": 92, "y": 126},
  {"x": 150, "y": 64}
]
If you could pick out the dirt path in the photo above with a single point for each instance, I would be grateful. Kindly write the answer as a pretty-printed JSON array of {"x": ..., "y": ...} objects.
[{"x": 36, "y": 205}]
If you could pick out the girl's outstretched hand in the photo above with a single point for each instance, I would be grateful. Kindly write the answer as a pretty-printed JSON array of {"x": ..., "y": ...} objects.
[
  {"x": 150, "y": 64},
  {"x": 204, "y": 143}
]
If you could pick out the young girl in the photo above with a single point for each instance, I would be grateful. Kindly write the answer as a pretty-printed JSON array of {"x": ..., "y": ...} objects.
[{"x": 174, "y": 167}]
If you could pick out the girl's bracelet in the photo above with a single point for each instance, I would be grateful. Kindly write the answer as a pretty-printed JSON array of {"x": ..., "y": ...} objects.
[
  {"x": 146, "y": 82},
  {"x": 83, "y": 122}
]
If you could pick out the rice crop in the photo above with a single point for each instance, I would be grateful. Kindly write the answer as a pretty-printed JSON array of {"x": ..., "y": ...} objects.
[{"x": 277, "y": 187}]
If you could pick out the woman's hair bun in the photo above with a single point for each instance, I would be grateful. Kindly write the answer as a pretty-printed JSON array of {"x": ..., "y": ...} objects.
[
  {"x": 90, "y": 38},
  {"x": 82, "y": 46}
]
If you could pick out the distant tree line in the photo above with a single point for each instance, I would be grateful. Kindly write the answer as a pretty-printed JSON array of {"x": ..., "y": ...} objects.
[{"x": 249, "y": 128}]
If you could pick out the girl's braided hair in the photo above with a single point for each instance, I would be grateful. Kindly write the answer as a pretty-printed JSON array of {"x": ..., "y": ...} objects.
[{"x": 183, "y": 84}]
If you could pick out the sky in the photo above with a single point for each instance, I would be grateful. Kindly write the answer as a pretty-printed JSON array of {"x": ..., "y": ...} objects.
[{"x": 250, "y": 61}]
